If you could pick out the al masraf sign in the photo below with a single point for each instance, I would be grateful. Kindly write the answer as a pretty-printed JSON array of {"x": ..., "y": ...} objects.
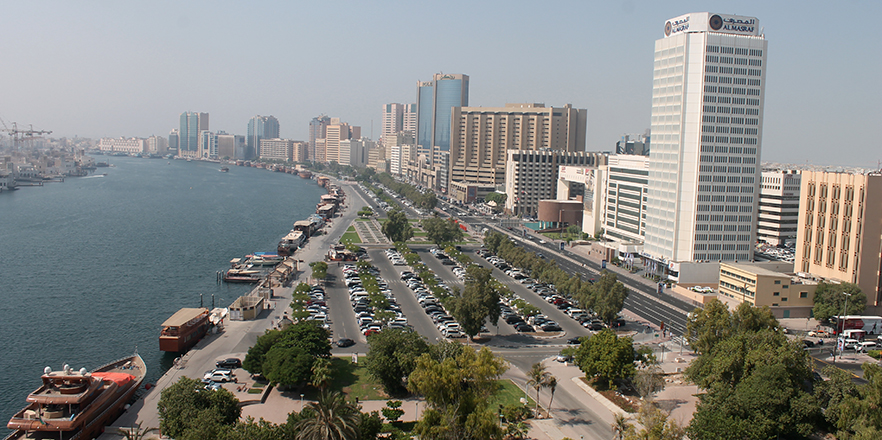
[{"x": 710, "y": 22}]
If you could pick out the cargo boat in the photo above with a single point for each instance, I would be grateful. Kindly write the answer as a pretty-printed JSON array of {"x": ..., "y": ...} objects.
[
  {"x": 76, "y": 405},
  {"x": 290, "y": 243},
  {"x": 242, "y": 276},
  {"x": 184, "y": 329}
]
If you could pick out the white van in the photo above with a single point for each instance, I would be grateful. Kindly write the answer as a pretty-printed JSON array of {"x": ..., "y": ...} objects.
[{"x": 866, "y": 346}]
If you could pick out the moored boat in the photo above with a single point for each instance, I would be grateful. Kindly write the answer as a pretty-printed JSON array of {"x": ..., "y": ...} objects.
[
  {"x": 265, "y": 259},
  {"x": 183, "y": 329},
  {"x": 76, "y": 405},
  {"x": 291, "y": 242}
]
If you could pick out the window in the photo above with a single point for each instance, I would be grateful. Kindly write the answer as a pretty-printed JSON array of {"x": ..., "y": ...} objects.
[{"x": 803, "y": 294}]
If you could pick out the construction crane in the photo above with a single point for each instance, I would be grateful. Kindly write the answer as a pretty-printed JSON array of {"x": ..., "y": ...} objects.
[{"x": 19, "y": 135}]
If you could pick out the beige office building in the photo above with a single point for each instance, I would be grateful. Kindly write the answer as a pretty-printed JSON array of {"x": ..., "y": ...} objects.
[
  {"x": 767, "y": 284},
  {"x": 278, "y": 149},
  {"x": 301, "y": 151},
  {"x": 481, "y": 136},
  {"x": 839, "y": 236}
]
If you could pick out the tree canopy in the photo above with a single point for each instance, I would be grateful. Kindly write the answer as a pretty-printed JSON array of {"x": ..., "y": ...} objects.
[
  {"x": 607, "y": 357},
  {"x": 456, "y": 382},
  {"x": 188, "y": 411},
  {"x": 478, "y": 302},
  {"x": 709, "y": 325},
  {"x": 606, "y": 297},
  {"x": 440, "y": 230},
  {"x": 397, "y": 228},
  {"x": 830, "y": 300},
  {"x": 392, "y": 355},
  {"x": 286, "y": 356}
]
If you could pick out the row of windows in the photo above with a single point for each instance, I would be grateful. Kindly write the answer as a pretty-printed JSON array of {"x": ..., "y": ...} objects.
[
  {"x": 733, "y": 70},
  {"x": 725, "y": 169},
  {"x": 731, "y": 110},
  {"x": 725, "y": 189},
  {"x": 727, "y": 228},
  {"x": 734, "y": 50},
  {"x": 726, "y": 130},
  {"x": 723, "y": 218},
  {"x": 723, "y": 237},
  {"x": 722, "y": 208}
]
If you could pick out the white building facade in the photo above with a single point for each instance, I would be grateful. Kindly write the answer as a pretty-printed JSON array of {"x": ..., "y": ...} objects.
[
  {"x": 707, "y": 113},
  {"x": 122, "y": 145},
  {"x": 627, "y": 185},
  {"x": 778, "y": 215}
]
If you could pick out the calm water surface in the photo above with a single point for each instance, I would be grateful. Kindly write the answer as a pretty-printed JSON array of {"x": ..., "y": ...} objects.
[{"x": 89, "y": 268}]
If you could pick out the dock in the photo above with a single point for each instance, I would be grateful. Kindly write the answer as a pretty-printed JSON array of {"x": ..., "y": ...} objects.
[{"x": 235, "y": 338}]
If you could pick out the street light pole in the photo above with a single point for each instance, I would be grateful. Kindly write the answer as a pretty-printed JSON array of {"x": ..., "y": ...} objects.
[
  {"x": 301, "y": 403},
  {"x": 842, "y": 324}
]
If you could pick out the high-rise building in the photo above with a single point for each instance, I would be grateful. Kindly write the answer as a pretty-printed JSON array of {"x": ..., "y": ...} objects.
[
  {"x": 707, "y": 112},
  {"x": 261, "y": 127},
  {"x": 277, "y": 149},
  {"x": 625, "y": 199},
  {"x": 192, "y": 123},
  {"x": 778, "y": 211},
  {"x": 174, "y": 140},
  {"x": 317, "y": 128},
  {"x": 637, "y": 144},
  {"x": 531, "y": 175},
  {"x": 207, "y": 145},
  {"x": 335, "y": 132},
  {"x": 157, "y": 145},
  {"x": 435, "y": 99},
  {"x": 839, "y": 234},
  {"x": 409, "y": 119},
  {"x": 230, "y": 146},
  {"x": 483, "y": 135},
  {"x": 301, "y": 151},
  {"x": 392, "y": 121}
]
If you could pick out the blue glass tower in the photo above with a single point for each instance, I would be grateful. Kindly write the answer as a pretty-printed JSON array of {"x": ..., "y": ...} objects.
[
  {"x": 435, "y": 99},
  {"x": 261, "y": 127}
]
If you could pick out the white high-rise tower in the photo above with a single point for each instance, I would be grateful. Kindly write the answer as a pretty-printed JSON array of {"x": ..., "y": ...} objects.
[{"x": 707, "y": 123}]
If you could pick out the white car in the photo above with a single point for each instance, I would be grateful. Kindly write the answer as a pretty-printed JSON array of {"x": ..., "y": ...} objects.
[{"x": 216, "y": 377}]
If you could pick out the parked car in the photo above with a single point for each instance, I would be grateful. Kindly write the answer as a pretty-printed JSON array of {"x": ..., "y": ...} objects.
[
  {"x": 216, "y": 377},
  {"x": 229, "y": 363}
]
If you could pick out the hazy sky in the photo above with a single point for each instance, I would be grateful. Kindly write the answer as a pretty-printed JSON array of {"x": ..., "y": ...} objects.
[{"x": 124, "y": 68}]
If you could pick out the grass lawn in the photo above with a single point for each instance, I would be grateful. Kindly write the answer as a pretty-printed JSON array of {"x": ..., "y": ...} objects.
[
  {"x": 354, "y": 381},
  {"x": 350, "y": 229},
  {"x": 508, "y": 394},
  {"x": 350, "y": 237},
  {"x": 360, "y": 220}
]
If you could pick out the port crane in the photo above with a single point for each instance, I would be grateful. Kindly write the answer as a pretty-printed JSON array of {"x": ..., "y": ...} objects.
[{"x": 18, "y": 135}]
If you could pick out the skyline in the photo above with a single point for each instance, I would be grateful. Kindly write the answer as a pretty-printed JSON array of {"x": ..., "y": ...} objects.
[{"x": 102, "y": 69}]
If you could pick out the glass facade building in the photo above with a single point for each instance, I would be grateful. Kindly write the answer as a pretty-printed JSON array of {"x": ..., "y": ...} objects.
[
  {"x": 261, "y": 127},
  {"x": 435, "y": 99}
]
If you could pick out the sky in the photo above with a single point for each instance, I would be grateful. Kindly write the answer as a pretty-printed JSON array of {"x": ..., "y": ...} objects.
[{"x": 123, "y": 68}]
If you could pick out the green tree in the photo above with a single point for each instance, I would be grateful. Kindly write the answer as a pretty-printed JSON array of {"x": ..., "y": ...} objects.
[
  {"x": 606, "y": 357},
  {"x": 253, "y": 362},
  {"x": 606, "y": 297},
  {"x": 649, "y": 380},
  {"x": 392, "y": 411},
  {"x": 255, "y": 430},
  {"x": 319, "y": 270},
  {"x": 440, "y": 230},
  {"x": 286, "y": 356},
  {"x": 288, "y": 365},
  {"x": 333, "y": 418},
  {"x": 832, "y": 395},
  {"x": 456, "y": 382},
  {"x": 369, "y": 425},
  {"x": 859, "y": 415},
  {"x": 538, "y": 378},
  {"x": 397, "y": 228},
  {"x": 708, "y": 326},
  {"x": 135, "y": 432},
  {"x": 299, "y": 302},
  {"x": 830, "y": 300},
  {"x": 498, "y": 198},
  {"x": 392, "y": 355},
  {"x": 763, "y": 405},
  {"x": 322, "y": 373},
  {"x": 479, "y": 301},
  {"x": 655, "y": 425},
  {"x": 187, "y": 408}
]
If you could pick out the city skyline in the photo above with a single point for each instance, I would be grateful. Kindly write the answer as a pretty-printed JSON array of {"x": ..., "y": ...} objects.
[{"x": 70, "y": 77}]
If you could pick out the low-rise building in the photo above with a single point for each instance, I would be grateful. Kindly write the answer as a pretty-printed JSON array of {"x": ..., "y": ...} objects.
[
  {"x": 532, "y": 175},
  {"x": 789, "y": 295},
  {"x": 122, "y": 145},
  {"x": 277, "y": 149}
]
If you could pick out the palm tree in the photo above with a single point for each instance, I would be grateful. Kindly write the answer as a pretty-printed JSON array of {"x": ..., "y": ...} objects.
[
  {"x": 551, "y": 384},
  {"x": 322, "y": 373},
  {"x": 620, "y": 426},
  {"x": 537, "y": 378},
  {"x": 136, "y": 432},
  {"x": 334, "y": 419}
]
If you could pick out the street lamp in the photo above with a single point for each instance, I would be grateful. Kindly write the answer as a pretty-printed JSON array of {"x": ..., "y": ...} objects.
[
  {"x": 842, "y": 322},
  {"x": 301, "y": 403}
]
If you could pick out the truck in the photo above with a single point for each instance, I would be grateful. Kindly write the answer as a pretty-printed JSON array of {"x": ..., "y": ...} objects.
[{"x": 869, "y": 324}]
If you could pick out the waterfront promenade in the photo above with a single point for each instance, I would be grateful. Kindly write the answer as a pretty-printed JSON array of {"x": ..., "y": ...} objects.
[{"x": 237, "y": 336}]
